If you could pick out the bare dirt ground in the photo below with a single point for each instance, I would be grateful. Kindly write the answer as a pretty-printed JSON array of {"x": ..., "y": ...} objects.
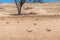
[{"x": 41, "y": 23}]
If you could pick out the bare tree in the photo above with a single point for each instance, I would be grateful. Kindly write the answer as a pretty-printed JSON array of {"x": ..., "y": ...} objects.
[{"x": 19, "y": 4}]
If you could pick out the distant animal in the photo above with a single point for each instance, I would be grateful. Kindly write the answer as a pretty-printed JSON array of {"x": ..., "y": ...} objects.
[{"x": 19, "y": 4}]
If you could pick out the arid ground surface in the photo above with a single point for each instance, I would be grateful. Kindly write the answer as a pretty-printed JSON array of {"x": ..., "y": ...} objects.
[{"x": 40, "y": 21}]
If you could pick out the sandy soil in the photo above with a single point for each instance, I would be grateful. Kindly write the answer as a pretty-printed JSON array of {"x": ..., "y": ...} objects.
[
  {"x": 27, "y": 27},
  {"x": 30, "y": 28}
]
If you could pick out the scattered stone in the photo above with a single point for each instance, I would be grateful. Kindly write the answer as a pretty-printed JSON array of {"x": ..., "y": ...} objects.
[
  {"x": 2, "y": 19},
  {"x": 1, "y": 8},
  {"x": 33, "y": 13},
  {"x": 7, "y": 22},
  {"x": 48, "y": 30},
  {"x": 29, "y": 30},
  {"x": 36, "y": 19},
  {"x": 17, "y": 21},
  {"x": 34, "y": 23}
]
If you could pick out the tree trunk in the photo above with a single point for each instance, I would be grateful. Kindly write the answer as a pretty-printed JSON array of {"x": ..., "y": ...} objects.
[{"x": 19, "y": 10}]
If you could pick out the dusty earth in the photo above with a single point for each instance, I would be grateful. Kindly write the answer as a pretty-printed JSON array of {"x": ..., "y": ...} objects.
[{"x": 41, "y": 21}]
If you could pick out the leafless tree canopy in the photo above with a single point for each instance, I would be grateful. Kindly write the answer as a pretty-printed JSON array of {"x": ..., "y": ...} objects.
[{"x": 19, "y": 4}]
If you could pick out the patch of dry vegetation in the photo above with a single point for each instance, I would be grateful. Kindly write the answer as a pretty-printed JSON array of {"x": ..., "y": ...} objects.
[{"x": 38, "y": 8}]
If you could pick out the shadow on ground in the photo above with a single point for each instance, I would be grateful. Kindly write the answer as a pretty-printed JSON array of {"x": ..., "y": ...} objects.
[{"x": 31, "y": 13}]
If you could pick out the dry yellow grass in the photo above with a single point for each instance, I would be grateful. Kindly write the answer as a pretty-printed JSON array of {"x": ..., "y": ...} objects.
[{"x": 38, "y": 8}]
